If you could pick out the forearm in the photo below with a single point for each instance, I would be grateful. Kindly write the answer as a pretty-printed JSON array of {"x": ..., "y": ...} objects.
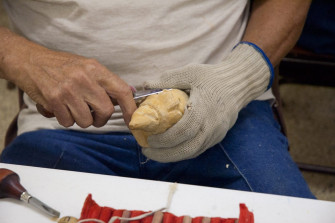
[
  {"x": 65, "y": 84},
  {"x": 6, "y": 43},
  {"x": 9, "y": 44},
  {"x": 275, "y": 26},
  {"x": 17, "y": 56}
]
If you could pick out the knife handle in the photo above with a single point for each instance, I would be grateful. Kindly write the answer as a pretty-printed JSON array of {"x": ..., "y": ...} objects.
[{"x": 10, "y": 186}]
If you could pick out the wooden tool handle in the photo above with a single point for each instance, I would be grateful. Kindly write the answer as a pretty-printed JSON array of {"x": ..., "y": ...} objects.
[{"x": 10, "y": 186}]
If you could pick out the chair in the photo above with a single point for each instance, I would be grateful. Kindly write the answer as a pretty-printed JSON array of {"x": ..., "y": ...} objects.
[
  {"x": 11, "y": 132},
  {"x": 312, "y": 60},
  {"x": 305, "y": 67}
]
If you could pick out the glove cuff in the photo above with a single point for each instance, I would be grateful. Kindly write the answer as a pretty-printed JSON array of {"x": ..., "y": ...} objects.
[{"x": 264, "y": 56}]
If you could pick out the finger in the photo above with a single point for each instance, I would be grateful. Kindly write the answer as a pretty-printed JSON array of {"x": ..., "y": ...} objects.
[
  {"x": 175, "y": 135},
  {"x": 127, "y": 105},
  {"x": 122, "y": 92},
  {"x": 44, "y": 112},
  {"x": 63, "y": 115},
  {"x": 186, "y": 150},
  {"x": 102, "y": 107},
  {"x": 80, "y": 112},
  {"x": 187, "y": 127}
]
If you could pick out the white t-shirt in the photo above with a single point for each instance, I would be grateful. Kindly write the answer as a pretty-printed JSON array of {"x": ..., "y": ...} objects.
[{"x": 136, "y": 40}]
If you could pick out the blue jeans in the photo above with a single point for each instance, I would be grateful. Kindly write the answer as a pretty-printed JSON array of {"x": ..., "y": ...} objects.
[{"x": 252, "y": 157}]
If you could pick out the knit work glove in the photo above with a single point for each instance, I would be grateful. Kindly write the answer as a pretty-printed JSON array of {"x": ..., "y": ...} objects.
[{"x": 217, "y": 93}]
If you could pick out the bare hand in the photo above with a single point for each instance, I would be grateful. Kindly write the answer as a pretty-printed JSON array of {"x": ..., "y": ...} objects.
[{"x": 68, "y": 86}]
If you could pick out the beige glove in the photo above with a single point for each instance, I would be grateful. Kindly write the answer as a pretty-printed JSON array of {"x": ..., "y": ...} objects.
[{"x": 217, "y": 93}]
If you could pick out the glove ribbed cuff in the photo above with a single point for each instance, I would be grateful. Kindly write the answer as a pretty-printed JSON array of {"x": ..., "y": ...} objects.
[{"x": 267, "y": 60}]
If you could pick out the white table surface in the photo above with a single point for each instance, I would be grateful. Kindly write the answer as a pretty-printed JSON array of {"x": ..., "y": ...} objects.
[{"x": 66, "y": 191}]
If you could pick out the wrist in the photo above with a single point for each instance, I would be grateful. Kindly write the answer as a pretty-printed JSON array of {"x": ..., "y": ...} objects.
[
  {"x": 264, "y": 57},
  {"x": 5, "y": 35},
  {"x": 248, "y": 75},
  {"x": 14, "y": 55},
  {"x": 8, "y": 45}
]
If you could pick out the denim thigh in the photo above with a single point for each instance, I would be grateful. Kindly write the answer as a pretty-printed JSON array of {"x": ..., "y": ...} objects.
[
  {"x": 112, "y": 154},
  {"x": 253, "y": 156}
]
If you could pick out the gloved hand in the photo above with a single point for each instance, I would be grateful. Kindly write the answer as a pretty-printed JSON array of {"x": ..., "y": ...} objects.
[{"x": 217, "y": 93}]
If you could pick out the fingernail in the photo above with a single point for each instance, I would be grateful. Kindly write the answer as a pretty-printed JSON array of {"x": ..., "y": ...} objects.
[{"x": 133, "y": 89}]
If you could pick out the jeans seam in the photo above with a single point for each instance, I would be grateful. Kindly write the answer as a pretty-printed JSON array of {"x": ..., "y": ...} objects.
[
  {"x": 58, "y": 160},
  {"x": 238, "y": 170},
  {"x": 140, "y": 162}
]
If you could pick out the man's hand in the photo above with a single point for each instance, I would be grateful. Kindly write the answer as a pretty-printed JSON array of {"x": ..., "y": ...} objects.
[
  {"x": 67, "y": 85},
  {"x": 217, "y": 93}
]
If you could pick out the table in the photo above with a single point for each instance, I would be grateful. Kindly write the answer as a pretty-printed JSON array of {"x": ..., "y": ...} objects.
[{"x": 66, "y": 191}]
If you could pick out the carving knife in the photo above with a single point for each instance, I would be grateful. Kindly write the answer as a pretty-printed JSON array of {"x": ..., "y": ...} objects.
[{"x": 139, "y": 96}]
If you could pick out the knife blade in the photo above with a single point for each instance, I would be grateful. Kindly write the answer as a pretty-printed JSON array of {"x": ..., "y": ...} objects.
[{"x": 140, "y": 95}]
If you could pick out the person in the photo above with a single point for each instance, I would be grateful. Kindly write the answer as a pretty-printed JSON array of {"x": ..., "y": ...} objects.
[{"x": 70, "y": 57}]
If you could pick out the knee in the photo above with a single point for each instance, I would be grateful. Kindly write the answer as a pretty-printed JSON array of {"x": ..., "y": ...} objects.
[{"x": 31, "y": 148}]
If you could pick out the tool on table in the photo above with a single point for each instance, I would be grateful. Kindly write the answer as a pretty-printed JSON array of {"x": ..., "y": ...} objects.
[{"x": 10, "y": 187}]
